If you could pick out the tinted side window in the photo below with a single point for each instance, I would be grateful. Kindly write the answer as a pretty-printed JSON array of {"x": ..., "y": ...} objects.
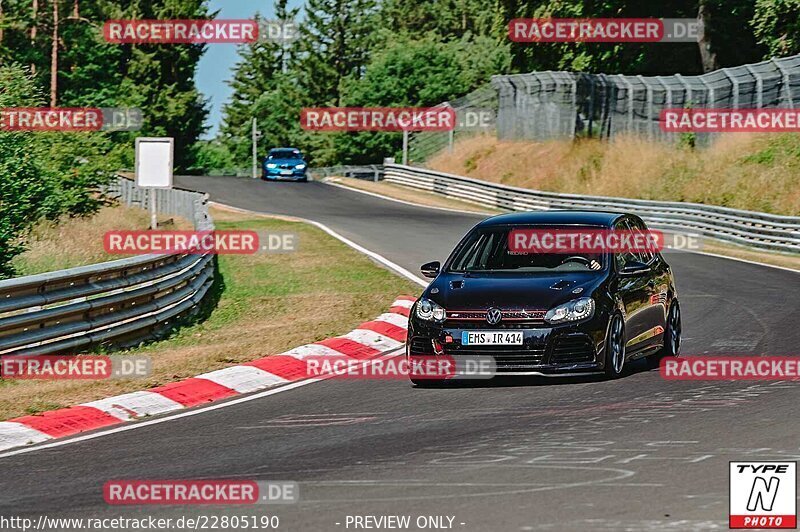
[
  {"x": 645, "y": 256},
  {"x": 625, "y": 258}
]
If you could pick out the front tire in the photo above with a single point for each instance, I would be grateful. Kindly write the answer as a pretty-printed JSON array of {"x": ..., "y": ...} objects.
[{"x": 615, "y": 348}]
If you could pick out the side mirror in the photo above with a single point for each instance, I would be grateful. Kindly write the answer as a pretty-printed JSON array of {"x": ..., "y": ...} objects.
[
  {"x": 430, "y": 269},
  {"x": 634, "y": 268}
]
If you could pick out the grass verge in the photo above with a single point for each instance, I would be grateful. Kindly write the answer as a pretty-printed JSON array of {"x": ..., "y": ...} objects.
[
  {"x": 759, "y": 172},
  {"x": 70, "y": 242},
  {"x": 270, "y": 303}
]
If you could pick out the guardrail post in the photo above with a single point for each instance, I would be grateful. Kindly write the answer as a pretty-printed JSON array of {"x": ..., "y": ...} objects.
[
  {"x": 667, "y": 97},
  {"x": 735, "y": 90},
  {"x": 787, "y": 89},
  {"x": 591, "y": 104},
  {"x": 630, "y": 95},
  {"x": 649, "y": 95},
  {"x": 759, "y": 86}
]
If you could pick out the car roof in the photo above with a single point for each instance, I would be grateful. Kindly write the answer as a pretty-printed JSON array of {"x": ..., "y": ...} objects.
[
  {"x": 597, "y": 218},
  {"x": 283, "y": 149}
]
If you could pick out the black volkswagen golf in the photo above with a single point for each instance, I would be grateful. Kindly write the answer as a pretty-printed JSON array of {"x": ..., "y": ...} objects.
[{"x": 547, "y": 314}]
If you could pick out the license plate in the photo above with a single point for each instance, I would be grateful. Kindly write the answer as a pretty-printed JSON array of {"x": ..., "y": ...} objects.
[
  {"x": 286, "y": 172},
  {"x": 491, "y": 338}
]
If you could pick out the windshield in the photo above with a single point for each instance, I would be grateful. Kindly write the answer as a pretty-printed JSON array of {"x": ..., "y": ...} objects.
[
  {"x": 285, "y": 154},
  {"x": 487, "y": 250}
]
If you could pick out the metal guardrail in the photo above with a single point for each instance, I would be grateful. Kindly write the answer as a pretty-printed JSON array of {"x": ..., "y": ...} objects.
[
  {"x": 75, "y": 308},
  {"x": 372, "y": 172},
  {"x": 755, "y": 229}
]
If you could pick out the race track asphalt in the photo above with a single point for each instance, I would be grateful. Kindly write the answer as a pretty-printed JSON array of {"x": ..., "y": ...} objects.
[{"x": 638, "y": 453}]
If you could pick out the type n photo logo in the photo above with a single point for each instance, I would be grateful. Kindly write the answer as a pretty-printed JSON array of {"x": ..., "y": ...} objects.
[{"x": 763, "y": 495}]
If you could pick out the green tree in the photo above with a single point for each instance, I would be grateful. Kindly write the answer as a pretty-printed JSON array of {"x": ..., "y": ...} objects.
[
  {"x": 416, "y": 72},
  {"x": 335, "y": 43},
  {"x": 160, "y": 79},
  {"x": 777, "y": 26},
  {"x": 212, "y": 155},
  {"x": 446, "y": 18},
  {"x": 29, "y": 182},
  {"x": 257, "y": 76},
  {"x": 614, "y": 58}
]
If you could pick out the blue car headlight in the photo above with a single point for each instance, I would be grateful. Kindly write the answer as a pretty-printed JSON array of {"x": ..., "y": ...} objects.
[
  {"x": 272, "y": 165},
  {"x": 300, "y": 167},
  {"x": 577, "y": 309}
]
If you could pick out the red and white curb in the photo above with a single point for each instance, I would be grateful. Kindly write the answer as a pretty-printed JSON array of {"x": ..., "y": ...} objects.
[{"x": 370, "y": 339}]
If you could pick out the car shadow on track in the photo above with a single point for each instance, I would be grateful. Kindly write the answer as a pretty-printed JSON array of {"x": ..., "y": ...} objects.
[{"x": 632, "y": 368}]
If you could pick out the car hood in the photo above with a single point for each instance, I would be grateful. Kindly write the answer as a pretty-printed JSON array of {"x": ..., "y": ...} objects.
[{"x": 511, "y": 291}]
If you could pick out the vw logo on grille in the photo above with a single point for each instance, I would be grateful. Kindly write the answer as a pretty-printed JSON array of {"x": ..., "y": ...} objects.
[{"x": 493, "y": 316}]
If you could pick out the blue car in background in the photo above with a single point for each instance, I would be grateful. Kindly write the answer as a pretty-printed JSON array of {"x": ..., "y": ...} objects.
[{"x": 285, "y": 163}]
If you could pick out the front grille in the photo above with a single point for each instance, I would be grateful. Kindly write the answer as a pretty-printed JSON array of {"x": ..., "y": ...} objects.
[
  {"x": 573, "y": 350},
  {"x": 513, "y": 315},
  {"x": 512, "y": 319}
]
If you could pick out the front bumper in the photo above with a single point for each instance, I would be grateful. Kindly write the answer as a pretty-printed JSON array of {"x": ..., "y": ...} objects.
[
  {"x": 547, "y": 350},
  {"x": 277, "y": 174}
]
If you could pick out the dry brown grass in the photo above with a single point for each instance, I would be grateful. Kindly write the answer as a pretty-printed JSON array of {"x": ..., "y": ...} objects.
[
  {"x": 746, "y": 171},
  {"x": 70, "y": 242},
  {"x": 271, "y": 303}
]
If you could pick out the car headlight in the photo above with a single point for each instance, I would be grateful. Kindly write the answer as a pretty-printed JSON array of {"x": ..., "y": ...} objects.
[
  {"x": 300, "y": 166},
  {"x": 272, "y": 165},
  {"x": 429, "y": 311},
  {"x": 577, "y": 309}
]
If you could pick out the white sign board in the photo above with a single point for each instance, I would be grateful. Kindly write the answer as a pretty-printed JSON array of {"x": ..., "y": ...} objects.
[{"x": 154, "y": 162}]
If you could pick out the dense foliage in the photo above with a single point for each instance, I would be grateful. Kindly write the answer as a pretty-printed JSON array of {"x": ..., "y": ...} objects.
[
  {"x": 423, "y": 52},
  {"x": 51, "y": 174}
]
